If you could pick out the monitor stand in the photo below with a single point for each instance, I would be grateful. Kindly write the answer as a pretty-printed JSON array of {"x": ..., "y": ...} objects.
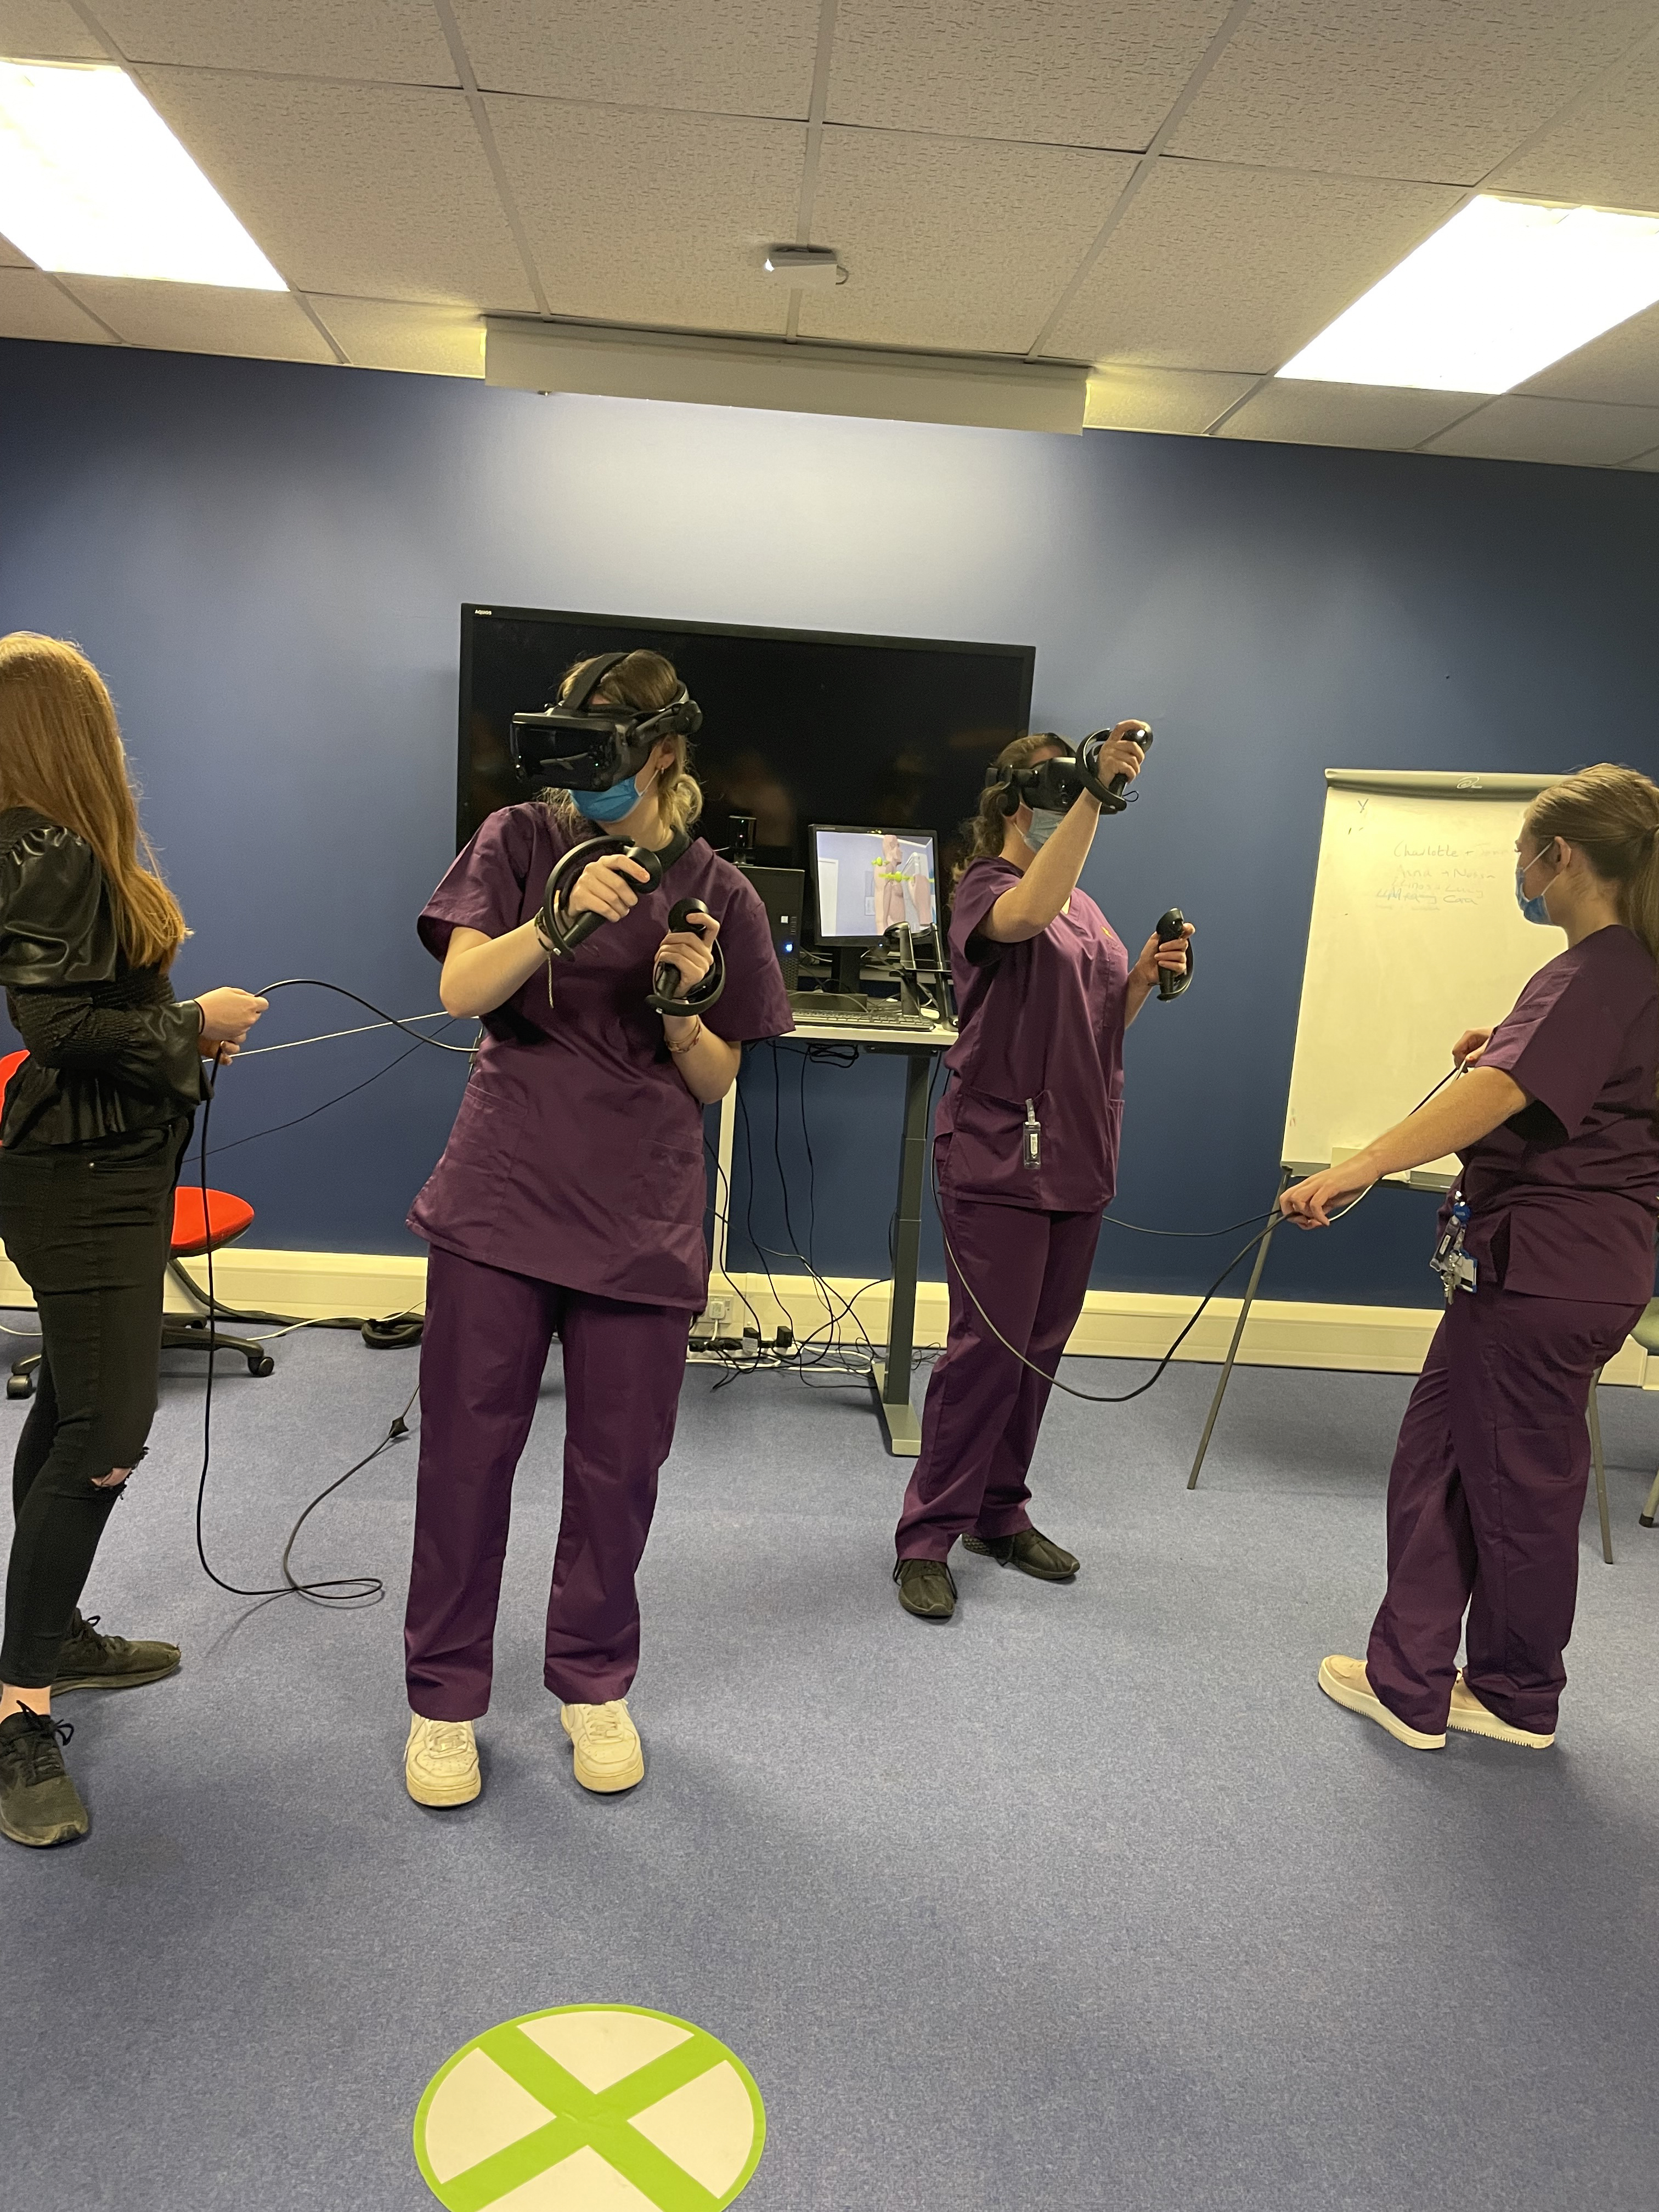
[{"x": 849, "y": 961}]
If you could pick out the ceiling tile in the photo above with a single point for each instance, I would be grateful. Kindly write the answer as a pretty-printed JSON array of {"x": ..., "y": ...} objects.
[
  {"x": 391, "y": 334},
  {"x": 1069, "y": 73},
  {"x": 1122, "y": 397},
  {"x": 1645, "y": 461},
  {"x": 202, "y": 318},
  {"x": 1622, "y": 365},
  {"x": 1401, "y": 88},
  {"x": 1577, "y": 432},
  {"x": 1237, "y": 269},
  {"x": 33, "y": 306},
  {"x": 1604, "y": 154},
  {"x": 725, "y": 57},
  {"x": 1301, "y": 413},
  {"x": 399, "y": 41},
  {"x": 12, "y": 257},
  {"x": 635, "y": 217},
  {"x": 958, "y": 243},
  {"x": 381, "y": 191},
  {"x": 45, "y": 31}
]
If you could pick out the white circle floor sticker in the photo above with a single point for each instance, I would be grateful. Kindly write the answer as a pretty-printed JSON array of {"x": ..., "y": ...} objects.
[{"x": 590, "y": 2108}]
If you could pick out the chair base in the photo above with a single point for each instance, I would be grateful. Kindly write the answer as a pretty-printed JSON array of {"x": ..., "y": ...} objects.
[{"x": 176, "y": 1336}]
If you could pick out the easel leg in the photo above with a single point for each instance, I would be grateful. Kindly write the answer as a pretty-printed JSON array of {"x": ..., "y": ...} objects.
[
  {"x": 1239, "y": 1334},
  {"x": 1601, "y": 1469}
]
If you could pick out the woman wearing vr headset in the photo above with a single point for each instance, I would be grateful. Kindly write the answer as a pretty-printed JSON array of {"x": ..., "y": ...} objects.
[
  {"x": 1024, "y": 1155},
  {"x": 570, "y": 1200},
  {"x": 95, "y": 1122}
]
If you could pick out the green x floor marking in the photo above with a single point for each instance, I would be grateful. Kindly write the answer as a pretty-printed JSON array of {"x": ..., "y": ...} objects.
[{"x": 590, "y": 2108}]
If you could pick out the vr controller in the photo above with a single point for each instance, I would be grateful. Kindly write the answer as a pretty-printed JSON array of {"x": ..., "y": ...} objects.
[
  {"x": 576, "y": 746},
  {"x": 1056, "y": 783},
  {"x": 562, "y": 931}
]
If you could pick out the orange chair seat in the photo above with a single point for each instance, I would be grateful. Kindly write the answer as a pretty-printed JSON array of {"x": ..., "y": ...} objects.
[{"x": 225, "y": 1219}]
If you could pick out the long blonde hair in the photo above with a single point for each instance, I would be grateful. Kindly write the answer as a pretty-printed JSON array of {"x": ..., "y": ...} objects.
[
  {"x": 982, "y": 833},
  {"x": 645, "y": 682},
  {"x": 61, "y": 754}
]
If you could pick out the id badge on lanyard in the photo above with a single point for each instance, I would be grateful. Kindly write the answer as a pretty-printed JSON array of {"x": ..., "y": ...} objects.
[{"x": 1454, "y": 1265}]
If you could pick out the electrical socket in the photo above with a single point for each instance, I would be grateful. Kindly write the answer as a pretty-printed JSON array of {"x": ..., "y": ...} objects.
[{"x": 717, "y": 1310}]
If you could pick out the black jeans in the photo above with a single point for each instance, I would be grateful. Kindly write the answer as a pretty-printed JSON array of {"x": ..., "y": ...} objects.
[{"x": 88, "y": 1228}]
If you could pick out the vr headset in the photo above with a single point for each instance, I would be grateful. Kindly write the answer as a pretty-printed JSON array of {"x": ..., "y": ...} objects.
[
  {"x": 578, "y": 747},
  {"x": 1054, "y": 783}
]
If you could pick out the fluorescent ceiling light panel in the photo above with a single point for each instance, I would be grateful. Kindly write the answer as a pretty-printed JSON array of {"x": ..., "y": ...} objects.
[
  {"x": 93, "y": 184},
  {"x": 1499, "y": 293}
]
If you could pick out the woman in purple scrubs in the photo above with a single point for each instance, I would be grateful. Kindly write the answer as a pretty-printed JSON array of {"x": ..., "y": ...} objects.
[
  {"x": 570, "y": 1200},
  {"x": 1046, "y": 991},
  {"x": 1556, "y": 1130}
]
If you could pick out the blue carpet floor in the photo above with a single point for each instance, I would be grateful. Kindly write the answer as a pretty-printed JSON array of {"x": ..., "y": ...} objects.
[{"x": 1088, "y": 1900}]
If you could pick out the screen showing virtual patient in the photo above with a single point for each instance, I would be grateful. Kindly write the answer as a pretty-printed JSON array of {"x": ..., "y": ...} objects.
[{"x": 868, "y": 880}]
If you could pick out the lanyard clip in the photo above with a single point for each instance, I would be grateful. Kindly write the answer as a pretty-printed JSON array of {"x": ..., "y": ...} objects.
[{"x": 1032, "y": 1146}]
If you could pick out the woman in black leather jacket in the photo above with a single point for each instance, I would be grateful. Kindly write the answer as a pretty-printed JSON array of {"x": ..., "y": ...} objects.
[{"x": 94, "y": 1127}]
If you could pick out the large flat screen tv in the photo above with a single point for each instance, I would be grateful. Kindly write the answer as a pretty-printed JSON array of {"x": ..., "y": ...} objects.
[{"x": 798, "y": 726}]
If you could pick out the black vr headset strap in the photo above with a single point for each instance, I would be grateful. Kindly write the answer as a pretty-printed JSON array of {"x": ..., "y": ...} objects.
[{"x": 574, "y": 702}]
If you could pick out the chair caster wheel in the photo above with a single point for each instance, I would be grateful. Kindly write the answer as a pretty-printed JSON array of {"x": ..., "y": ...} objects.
[
  {"x": 261, "y": 1363},
  {"x": 19, "y": 1386}
]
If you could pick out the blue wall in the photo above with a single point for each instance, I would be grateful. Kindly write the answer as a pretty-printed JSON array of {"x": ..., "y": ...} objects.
[{"x": 267, "y": 561}]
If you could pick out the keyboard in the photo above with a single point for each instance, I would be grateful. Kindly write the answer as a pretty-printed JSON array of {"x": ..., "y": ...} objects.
[{"x": 828, "y": 1008}]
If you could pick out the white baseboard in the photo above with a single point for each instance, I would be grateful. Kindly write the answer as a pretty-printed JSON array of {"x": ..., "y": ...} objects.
[
  {"x": 1141, "y": 1325},
  {"x": 1116, "y": 1324}
]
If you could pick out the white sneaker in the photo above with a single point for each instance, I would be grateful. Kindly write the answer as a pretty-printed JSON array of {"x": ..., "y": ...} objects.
[
  {"x": 441, "y": 1762},
  {"x": 607, "y": 1745}
]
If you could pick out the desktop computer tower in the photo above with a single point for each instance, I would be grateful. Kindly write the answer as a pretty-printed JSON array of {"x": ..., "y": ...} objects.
[{"x": 784, "y": 891}]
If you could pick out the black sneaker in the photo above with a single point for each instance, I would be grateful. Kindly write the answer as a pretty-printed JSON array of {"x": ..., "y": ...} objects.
[
  {"x": 38, "y": 1803},
  {"x": 91, "y": 1662},
  {"x": 925, "y": 1587},
  {"x": 1029, "y": 1550}
]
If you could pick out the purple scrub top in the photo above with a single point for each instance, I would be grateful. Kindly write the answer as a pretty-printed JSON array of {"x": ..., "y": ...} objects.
[
  {"x": 1042, "y": 1020},
  {"x": 1564, "y": 1196},
  {"x": 577, "y": 1153}
]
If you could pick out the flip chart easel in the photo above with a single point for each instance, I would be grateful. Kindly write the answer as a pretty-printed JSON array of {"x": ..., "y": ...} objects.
[{"x": 1415, "y": 937}]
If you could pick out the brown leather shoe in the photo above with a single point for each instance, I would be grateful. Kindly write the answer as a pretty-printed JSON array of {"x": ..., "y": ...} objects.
[{"x": 1029, "y": 1550}]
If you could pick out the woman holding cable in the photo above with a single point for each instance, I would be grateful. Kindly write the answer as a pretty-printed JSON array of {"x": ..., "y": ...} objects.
[
  {"x": 94, "y": 1126},
  {"x": 1547, "y": 1253}
]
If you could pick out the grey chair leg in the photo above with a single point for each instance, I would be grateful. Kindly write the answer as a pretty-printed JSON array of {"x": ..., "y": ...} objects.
[
  {"x": 1650, "y": 1510},
  {"x": 1601, "y": 1470}
]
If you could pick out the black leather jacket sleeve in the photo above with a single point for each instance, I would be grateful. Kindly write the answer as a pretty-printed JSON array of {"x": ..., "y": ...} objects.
[{"x": 79, "y": 1006}]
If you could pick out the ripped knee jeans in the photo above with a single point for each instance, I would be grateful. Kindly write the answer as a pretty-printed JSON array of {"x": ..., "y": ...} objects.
[{"x": 89, "y": 1227}]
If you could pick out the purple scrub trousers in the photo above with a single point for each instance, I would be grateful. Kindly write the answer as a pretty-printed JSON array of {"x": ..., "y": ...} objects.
[
  {"x": 483, "y": 1351},
  {"x": 1484, "y": 1497},
  {"x": 1030, "y": 1272}
]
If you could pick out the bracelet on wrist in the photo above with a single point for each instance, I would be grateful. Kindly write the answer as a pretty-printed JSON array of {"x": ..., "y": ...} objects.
[{"x": 696, "y": 1038}]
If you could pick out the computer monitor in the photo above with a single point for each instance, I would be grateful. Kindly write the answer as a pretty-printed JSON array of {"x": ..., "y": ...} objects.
[{"x": 865, "y": 881}]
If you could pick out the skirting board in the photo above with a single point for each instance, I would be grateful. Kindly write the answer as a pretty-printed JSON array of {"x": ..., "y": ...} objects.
[{"x": 1115, "y": 1324}]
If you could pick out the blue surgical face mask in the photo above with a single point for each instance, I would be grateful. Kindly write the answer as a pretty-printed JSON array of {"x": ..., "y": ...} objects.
[
  {"x": 1534, "y": 908},
  {"x": 611, "y": 805},
  {"x": 1045, "y": 820}
]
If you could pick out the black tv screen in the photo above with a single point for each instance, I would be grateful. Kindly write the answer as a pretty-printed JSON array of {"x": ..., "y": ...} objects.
[{"x": 799, "y": 726}]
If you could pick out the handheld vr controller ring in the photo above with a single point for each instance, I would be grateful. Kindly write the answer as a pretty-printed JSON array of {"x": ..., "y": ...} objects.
[
  {"x": 667, "y": 995},
  {"x": 562, "y": 931},
  {"x": 1172, "y": 930},
  {"x": 1063, "y": 778}
]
